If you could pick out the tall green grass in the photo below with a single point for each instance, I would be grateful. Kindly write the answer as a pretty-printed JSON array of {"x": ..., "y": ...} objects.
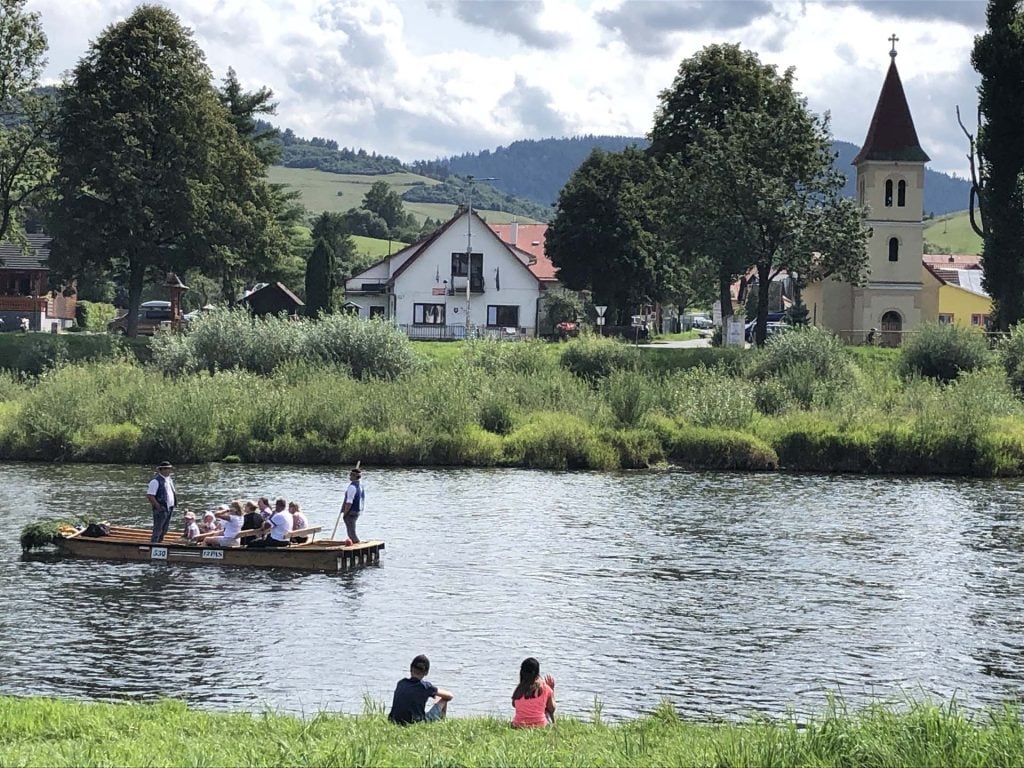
[
  {"x": 55, "y": 734},
  {"x": 803, "y": 403}
]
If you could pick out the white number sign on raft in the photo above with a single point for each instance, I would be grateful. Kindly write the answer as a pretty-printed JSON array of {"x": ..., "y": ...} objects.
[
  {"x": 213, "y": 554},
  {"x": 158, "y": 553}
]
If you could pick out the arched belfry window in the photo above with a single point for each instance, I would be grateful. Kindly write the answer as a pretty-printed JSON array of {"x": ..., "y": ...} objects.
[
  {"x": 901, "y": 194},
  {"x": 894, "y": 249},
  {"x": 888, "y": 193}
]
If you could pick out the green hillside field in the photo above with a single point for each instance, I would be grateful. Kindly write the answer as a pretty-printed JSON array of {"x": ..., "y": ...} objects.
[
  {"x": 952, "y": 233},
  {"x": 322, "y": 191}
]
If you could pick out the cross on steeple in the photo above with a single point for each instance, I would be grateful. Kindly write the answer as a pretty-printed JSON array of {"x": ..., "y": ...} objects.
[{"x": 893, "y": 39}]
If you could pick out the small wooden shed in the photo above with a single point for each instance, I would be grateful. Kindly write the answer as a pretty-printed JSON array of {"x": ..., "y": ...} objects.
[{"x": 273, "y": 299}]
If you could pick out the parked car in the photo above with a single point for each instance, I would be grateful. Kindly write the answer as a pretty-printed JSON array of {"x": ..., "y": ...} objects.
[
  {"x": 771, "y": 329},
  {"x": 153, "y": 315},
  {"x": 701, "y": 323}
]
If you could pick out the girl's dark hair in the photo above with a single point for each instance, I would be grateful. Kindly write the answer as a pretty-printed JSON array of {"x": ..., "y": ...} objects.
[{"x": 529, "y": 680}]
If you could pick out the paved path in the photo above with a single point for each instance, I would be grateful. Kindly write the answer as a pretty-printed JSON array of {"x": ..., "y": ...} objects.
[{"x": 688, "y": 344}]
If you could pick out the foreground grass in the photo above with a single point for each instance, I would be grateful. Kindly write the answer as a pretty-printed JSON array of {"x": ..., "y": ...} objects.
[{"x": 45, "y": 732}]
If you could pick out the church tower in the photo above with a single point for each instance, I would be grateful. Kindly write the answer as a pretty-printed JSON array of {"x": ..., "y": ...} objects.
[{"x": 890, "y": 183}]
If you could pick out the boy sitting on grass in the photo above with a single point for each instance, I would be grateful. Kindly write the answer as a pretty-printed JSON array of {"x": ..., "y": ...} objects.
[{"x": 412, "y": 694}]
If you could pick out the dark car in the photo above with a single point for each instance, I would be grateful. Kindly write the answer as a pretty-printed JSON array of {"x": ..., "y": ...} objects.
[
  {"x": 153, "y": 315},
  {"x": 771, "y": 329}
]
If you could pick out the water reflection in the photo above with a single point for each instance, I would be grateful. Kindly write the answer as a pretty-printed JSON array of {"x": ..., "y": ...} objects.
[{"x": 727, "y": 593}]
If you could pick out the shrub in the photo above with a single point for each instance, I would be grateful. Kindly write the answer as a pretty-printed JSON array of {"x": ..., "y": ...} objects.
[
  {"x": 469, "y": 447},
  {"x": 702, "y": 448},
  {"x": 559, "y": 441},
  {"x": 814, "y": 349},
  {"x": 493, "y": 356},
  {"x": 595, "y": 357},
  {"x": 370, "y": 348},
  {"x": 496, "y": 416},
  {"x": 943, "y": 351},
  {"x": 629, "y": 394},
  {"x": 94, "y": 315},
  {"x": 808, "y": 443},
  {"x": 1011, "y": 354},
  {"x": 234, "y": 339},
  {"x": 637, "y": 448},
  {"x": 711, "y": 398},
  {"x": 111, "y": 443}
]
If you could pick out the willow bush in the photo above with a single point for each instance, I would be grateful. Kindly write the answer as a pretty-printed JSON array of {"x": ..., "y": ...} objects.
[
  {"x": 597, "y": 357},
  {"x": 1011, "y": 355},
  {"x": 943, "y": 351},
  {"x": 226, "y": 339}
]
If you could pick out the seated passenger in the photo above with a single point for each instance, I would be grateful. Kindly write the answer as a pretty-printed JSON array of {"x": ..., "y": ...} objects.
[
  {"x": 253, "y": 518},
  {"x": 233, "y": 520},
  {"x": 298, "y": 522},
  {"x": 209, "y": 524},
  {"x": 264, "y": 506},
  {"x": 279, "y": 528},
  {"x": 191, "y": 529}
]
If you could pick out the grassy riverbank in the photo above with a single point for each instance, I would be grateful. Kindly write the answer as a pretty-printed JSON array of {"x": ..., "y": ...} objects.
[
  {"x": 45, "y": 732},
  {"x": 344, "y": 390}
]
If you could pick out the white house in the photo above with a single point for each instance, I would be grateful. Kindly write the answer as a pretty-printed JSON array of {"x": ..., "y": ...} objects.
[{"x": 463, "y": 271}]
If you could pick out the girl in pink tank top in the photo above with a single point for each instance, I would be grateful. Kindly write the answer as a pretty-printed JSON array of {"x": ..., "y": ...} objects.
[{"x": 534, "y": 698}]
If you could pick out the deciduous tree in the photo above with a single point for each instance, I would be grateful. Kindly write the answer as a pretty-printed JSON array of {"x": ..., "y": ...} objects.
[
  {"x": 26, "y": 159},
  {"x": 152, "y": 173},
  {"x": 752, "y": 180},
  {"x": 386, "y": 203},
  {"x": 605, "y": 233}
]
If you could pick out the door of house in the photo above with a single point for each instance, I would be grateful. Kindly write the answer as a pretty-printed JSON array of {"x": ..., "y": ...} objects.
[{"x": 892, "y": 329}]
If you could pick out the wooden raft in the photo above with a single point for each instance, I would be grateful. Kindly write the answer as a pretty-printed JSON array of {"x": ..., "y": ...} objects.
[{"x": 125, "y": 543}]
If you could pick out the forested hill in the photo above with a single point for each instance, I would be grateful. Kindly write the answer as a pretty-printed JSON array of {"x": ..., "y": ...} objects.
[
  {"x": 538, "y": 169},
  {"x": 534, "y": 169}
]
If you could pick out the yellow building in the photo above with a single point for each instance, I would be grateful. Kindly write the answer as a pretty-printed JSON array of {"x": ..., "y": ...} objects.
[
  {"x": 953, "y": 292},
  {"x": 890, "y": 184}
]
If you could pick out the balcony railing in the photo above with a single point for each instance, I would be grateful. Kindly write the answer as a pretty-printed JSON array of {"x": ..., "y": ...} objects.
[
  {"x": 454, "y": 332},
  {"x": 59, "y": 307}
]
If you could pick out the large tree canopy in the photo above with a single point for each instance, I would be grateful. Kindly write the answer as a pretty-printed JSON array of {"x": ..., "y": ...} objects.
[
  {"x": 152, "y": 173},
  {"x": 604, "y": 236},
  {"x": 752, "y": 180},
  {"x": 998, "y": 57},
  {"x": 26, "y": 162}
]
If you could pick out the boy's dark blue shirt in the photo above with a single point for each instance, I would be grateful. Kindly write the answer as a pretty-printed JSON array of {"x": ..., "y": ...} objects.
[{"x": 410, "y": 701}]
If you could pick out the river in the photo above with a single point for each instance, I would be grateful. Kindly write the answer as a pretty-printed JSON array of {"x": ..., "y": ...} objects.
[{"x": 728, "y": 594}]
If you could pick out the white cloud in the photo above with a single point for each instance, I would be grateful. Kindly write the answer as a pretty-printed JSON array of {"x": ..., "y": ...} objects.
[{"x": 420, "y": 78}]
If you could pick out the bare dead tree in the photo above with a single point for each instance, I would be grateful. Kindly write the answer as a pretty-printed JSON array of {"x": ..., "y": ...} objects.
[{"x": 978, "y": 175}]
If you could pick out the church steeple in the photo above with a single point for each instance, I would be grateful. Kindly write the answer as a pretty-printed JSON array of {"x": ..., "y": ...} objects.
[{"x": 891, "y": 136}]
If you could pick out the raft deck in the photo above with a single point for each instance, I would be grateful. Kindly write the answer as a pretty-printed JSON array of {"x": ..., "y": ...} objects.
[{"x": 124, "y": 543}]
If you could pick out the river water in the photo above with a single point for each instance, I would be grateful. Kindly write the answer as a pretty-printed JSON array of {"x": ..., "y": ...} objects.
[{"x": 729, "y": 594}]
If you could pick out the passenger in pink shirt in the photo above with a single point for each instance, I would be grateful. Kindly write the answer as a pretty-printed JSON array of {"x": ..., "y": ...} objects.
[{"x": 534, "y": 698}]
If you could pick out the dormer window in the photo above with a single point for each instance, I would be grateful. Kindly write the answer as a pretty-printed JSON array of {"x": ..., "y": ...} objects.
[
  {"x": 888, "y": 193},
  {"x": 894, "y": 249},
  {"x": 901, "y": 194}
]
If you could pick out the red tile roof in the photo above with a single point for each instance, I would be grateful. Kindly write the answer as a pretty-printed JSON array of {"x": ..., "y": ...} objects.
[
  {"x": 892, "y": 135},
  {"x": 952, "y": 261},
  {"x": 530, "y": 239}
]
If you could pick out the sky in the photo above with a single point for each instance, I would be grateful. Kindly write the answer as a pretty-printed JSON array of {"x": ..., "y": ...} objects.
[{"x": 420, "y": 79}]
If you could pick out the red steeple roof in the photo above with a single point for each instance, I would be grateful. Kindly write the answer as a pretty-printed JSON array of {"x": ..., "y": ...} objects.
[{"x": 892, "y": 135}]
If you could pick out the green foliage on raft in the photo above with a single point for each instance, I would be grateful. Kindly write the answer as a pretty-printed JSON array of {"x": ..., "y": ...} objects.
[{"x": 41, "y": 533}]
